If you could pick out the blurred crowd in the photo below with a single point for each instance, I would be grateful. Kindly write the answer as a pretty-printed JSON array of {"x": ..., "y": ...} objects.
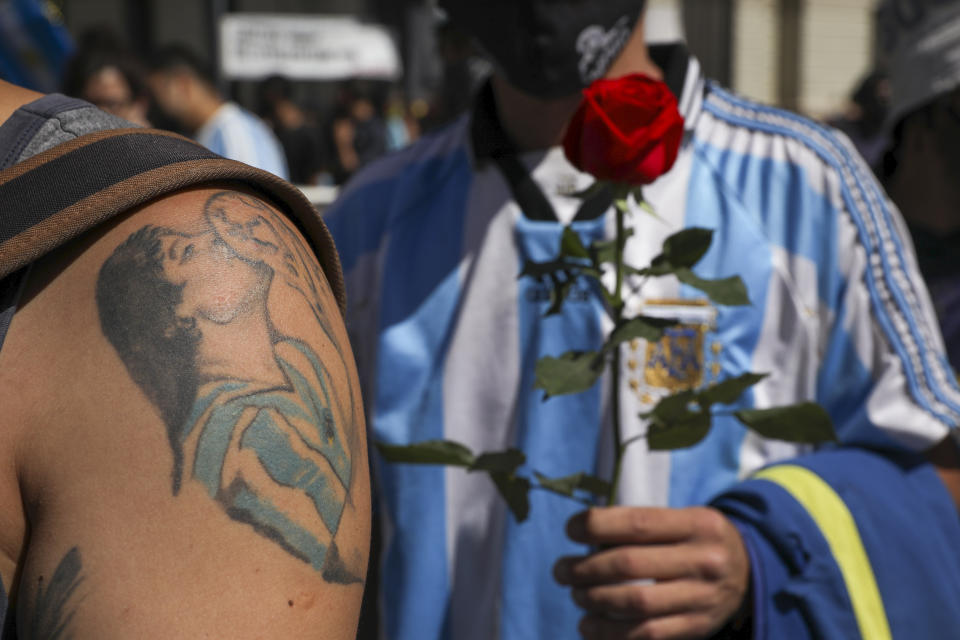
[
  {"x": 324, "y": 142},
  {"x": 309, "y": 142}
]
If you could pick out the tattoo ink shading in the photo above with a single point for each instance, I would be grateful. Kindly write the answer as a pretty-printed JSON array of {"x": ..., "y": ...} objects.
[
  {"x": 259, "y": 430},
  {"x": 6, "y": 616},
  {"x": 54, "y": 603}
]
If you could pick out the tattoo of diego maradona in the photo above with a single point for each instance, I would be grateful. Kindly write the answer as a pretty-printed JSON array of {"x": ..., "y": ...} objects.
[
  {"x": 251, "y": 413},
  {"x": 51, "y": 605}
]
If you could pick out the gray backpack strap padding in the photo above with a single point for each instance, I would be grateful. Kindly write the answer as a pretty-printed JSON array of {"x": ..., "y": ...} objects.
[{"x": 57, "y": 195}]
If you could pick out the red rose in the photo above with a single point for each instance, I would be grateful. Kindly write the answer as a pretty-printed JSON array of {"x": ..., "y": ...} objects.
[{"x": 626, "y": 130}]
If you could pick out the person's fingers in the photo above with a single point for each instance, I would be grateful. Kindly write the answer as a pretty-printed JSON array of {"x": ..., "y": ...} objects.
[
  {"x": 680, "y": 627},
  {"x": 643, "y": 525},
  {"x": 628, "y": 562},
  {"x": 645, "y": 601}
]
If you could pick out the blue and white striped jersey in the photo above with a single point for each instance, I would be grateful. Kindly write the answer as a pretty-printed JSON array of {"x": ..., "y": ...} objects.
[
  {"x": 446, "y": 337},
  {"x": 235, "y": 133}
]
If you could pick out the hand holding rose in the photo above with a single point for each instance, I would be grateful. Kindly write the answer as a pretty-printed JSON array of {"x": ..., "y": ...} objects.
[
  {"x": 694, "y": 557},
  {"x": 662, "y": 573}
]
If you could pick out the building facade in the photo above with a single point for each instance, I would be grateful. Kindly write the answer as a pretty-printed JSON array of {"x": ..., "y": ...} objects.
[{"x": 805, "y": 55}]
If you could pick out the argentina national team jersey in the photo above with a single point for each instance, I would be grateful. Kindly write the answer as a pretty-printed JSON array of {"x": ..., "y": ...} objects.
[{"x": 446, "y": 337}]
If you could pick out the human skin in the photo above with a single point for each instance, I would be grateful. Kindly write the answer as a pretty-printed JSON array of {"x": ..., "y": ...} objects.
[
  {"x": 690, "y": 564},
  {"x": 86, "y": 505},
  {"x": 184, "y": 97}
]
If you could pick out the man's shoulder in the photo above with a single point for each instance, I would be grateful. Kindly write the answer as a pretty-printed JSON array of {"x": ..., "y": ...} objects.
[
  {"x": 779, "y": 163},
  {"x": 90, "y": 337},
  {"x": 757, "y": 131}
]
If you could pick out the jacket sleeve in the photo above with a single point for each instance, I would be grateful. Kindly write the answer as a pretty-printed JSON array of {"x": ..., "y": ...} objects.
[{"x": 849, "y": 543}]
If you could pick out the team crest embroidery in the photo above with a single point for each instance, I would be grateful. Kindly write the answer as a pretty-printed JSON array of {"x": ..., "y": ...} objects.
[
  {"x": 684, "y": 358},
  {"x": 676, "y": 361}
]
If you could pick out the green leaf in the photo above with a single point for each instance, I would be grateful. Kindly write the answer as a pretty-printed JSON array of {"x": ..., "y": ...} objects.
[
  {"x": 608, "y": 298},
  {"x": 515, "y": 491},
  {"x": 571, "y": 245},
  {"x": 679, "y": 434},
  {"x": 428, "y": 452},
  {"x": 637, "y": 193},
  {"x": 677, "y": 422},
  {"x": 566, "y": 485},
  {"x": 558, "y": 294},
  {"x": 806, "y": 422},
  {"x": 538, "y": 270},
  {"x": 646, "y": 207},
  {"x": 728, "y": 391},
  {"x": 647, "y": 328},
  {"x": 573, "y": 372},
  {"x": 604, "y": 250},
  {"x": 685, "y": 248},
  {"x": 507, "y": 461},
  {"x": 726, "y": 291},
  {"x": 592, "y": 484},
  {"x": 568, "y": 268},
  {"x": 655, "y": 271},
  {"x": 673, "y": 408}
]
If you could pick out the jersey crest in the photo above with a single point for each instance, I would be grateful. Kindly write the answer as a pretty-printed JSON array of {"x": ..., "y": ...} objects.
[{"x": 684, "y": 358}]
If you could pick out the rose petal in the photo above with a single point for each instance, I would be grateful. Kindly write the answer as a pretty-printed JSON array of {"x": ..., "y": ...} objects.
[{"x": 627, "y": 129}]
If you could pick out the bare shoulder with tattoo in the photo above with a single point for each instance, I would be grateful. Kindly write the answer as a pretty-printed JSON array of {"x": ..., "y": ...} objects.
[{"x": 190, "y": 450}]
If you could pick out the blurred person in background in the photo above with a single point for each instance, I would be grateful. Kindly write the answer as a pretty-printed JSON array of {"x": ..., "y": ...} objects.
[
  {"x": 104, "y": 72},
  {"x": 402, "y": 129},
  {"x": 295, "y": 129},
  {"x": 922, "y": 168},
  {"x": 357, "y": 131},
  {"x": 464, "y": 72},
  {"x": 447, "y": 338},
  {"x": 185, "y": 90},
  {"x": 864, "y": 119},
  {"x": 369, "y": 128}
]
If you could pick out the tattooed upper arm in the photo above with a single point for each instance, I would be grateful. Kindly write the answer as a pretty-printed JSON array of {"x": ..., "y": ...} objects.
[
  {"x": 250, "y": 409},
  {"x": 224, "y": 326}
]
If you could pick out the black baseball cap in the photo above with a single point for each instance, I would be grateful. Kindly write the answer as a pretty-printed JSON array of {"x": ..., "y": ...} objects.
[{"x": 548, "y": 48}]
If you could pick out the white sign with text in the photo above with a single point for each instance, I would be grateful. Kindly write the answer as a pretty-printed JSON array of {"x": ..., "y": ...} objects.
[{"x": 305, "y": 47}]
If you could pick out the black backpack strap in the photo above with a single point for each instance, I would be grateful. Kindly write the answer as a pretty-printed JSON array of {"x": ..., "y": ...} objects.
[{"x": 57, "y": 195}]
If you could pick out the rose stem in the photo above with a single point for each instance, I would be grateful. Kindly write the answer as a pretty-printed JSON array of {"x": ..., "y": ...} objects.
[{"x": 618, "y": 304}]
